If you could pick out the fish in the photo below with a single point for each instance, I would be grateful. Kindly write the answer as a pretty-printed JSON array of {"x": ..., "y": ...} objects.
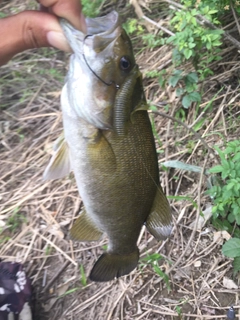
[{"x": 109, "y": 145}]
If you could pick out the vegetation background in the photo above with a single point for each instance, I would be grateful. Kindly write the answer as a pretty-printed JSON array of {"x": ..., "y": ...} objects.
[{"x": 188, "y": 52}]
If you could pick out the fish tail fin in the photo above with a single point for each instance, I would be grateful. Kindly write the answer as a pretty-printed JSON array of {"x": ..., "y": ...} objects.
[{"x": 110, "y": 266}]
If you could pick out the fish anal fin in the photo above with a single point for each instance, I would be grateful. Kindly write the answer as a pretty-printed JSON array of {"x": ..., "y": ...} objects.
[
  {"x": 59, "y": 165},
  {"x": 110, "y": 266},
  {"x": 159, "y": 221},
  {"x": 84, "y": 229}
]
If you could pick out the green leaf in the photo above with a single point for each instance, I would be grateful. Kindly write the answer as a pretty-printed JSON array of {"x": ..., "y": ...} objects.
[
  {"x": 177, "y": 75},
  {"x": 231, "y": 248},
  {"x": 236, "y": 264},
  {"x": 179, "y": 92},
  {"x": 216, "y": 169},
  {"x": 222, "y": 225},
  {"x": 162, "y": 275},
  {"x": 195, "y": 96},
  {"x": 189, "y": 98},
  {"x": 220, "y": 153},
  {"x": 199, "y": 124},
  {"x": 83, "y": 276},
  {"x": 192, "y": 77},
  {"x": 231, "y": 217},
  {"x": 187, "y": 53},
  {"x": 186, "y": 101},
  {"x": 182, "y": 166},
  {"x": 150, "y": 258}
]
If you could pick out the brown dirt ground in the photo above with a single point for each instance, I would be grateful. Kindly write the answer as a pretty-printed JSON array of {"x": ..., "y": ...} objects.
[{"x": 36, "y": 215}]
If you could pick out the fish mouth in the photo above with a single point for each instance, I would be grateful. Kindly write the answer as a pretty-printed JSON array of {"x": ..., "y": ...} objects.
[{"x": 101, "y": 32}]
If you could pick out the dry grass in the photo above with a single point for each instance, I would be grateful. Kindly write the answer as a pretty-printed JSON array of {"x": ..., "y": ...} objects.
[{"x": 36, "y": 215}]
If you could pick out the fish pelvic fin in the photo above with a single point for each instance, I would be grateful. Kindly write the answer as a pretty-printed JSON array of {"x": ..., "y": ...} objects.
[
  {"x": 110, "y": 266},
  {"x": 59, "y": 165},
  {"x": 84, "y": 229},
  {"x": 159, "y": 221}
]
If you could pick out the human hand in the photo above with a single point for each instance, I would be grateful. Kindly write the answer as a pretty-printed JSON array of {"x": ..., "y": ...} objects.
[{"x": 34, "y": 29}]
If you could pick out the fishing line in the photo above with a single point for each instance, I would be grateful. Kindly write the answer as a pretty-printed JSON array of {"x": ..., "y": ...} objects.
[{"x": 117, "y": 86}]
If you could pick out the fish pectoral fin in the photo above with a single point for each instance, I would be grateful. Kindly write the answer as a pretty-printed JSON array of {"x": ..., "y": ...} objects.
[
  {"x": 59, "y": 165},
  {"x": 110, "y": 266},
  {"x": 159, "y": 221},
  {"x": 101, "y": 153},
  {"x": 84, "y": 229}
]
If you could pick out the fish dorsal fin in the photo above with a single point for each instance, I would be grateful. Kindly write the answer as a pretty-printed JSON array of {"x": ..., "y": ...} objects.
[
  {"x": 159, "y": 221},
  {"x": 59, "y": 165},
  {"x": 84, "y": 229}
]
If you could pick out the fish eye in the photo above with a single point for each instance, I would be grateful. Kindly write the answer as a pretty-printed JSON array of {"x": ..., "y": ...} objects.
[{"x": 125, "y": 64}]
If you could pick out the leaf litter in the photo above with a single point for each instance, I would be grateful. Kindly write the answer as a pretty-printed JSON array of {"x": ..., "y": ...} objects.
[{"x": 35, "y": 216}]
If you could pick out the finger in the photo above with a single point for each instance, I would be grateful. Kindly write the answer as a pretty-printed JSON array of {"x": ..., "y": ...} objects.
[
  {"x": 29, "y": 29},
  {"x": 70, "y": 10}
]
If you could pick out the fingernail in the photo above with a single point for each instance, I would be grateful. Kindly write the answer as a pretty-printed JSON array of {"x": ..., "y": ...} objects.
[{"x": 57, "y": 40}]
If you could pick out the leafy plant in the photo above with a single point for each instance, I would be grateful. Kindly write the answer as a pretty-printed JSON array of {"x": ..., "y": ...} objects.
[
  {"x": 188, "y": 89},
  {"x": 153, "y": 261},
  {"x": 196, "y": 44},
  {"x": 83, "y": 276},
  {"x": 92, "y": 8},
  {"x": 231, "y": 249},
  {"x": 15, "y": 220},
  {"x": 191, "y": 37},
  {"x": 132, "y": 26},
  {"x": 226, "y": 193},
  {"x": 226, "y": 197}
]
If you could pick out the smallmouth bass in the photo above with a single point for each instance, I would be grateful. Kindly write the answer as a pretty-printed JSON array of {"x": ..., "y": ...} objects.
[{"x": 109, "y": 145}]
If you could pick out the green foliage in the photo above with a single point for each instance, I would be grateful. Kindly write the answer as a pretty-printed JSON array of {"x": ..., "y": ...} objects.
[
  {"x": 178, "y": 310},
  {"x": 221, "y": 6},
  {"x": 48, "y": 250},
  {"x": 153, "y": 259},
  {"x": 196, "y": 44},
  {"x": 152, "y": 40},
  {"x": 132, "y": 26},
  {"x": 231, "y": 249},
  {"x": 83, "y": 276},
  {"x": 226, "y": 197},
  {"x": 226, "y": 193},
  {"x": 188, "y": 87},
  {"x": 15, "y": 220},
  {"x": 92, "y": 8}
]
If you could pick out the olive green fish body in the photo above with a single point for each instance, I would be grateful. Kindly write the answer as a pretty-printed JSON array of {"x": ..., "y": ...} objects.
[{"x": 109, "y": 145}]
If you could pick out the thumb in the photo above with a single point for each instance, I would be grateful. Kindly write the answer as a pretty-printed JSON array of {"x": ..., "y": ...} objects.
[{"x": 29, "y": 29}]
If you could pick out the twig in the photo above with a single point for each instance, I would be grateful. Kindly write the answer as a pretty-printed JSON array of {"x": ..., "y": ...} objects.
[
  {"x": 58, "y": 249},
  {"x": 56, "y": 276},
  {"x": 140, "y": 15},
  {"x": 162, "y": 114},
  {"x": 196, "y": 220},
  {"x": 235, "y": 17},
  {"x": 158, "y": 25}
]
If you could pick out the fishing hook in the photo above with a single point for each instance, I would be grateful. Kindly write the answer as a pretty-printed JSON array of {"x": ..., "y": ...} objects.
[{"x": 117, "y": 86}]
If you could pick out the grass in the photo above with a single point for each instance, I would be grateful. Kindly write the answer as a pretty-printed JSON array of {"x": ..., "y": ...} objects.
[{"x": 192, "y": 262}]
